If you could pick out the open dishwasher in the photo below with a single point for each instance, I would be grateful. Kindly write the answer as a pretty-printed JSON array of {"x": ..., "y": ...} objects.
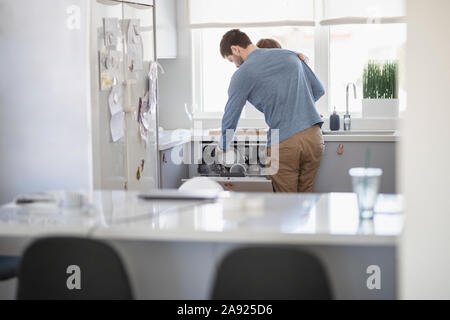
[{"x": 245, "y": 174}]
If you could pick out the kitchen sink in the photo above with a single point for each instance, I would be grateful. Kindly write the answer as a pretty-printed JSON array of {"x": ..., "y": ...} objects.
[{"x": 362, "y": 132}]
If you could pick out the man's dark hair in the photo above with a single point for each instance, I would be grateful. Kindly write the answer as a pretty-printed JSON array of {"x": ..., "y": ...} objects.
[
  {"x": 233, "y": 37},
  {"x": 268, "y": 44}
]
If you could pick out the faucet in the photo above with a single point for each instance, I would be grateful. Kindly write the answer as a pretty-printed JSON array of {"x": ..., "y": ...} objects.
[{"x": 347, "y": 117}]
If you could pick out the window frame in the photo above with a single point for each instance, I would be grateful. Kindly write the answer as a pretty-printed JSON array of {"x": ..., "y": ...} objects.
[{"x": 322, "y": 27}]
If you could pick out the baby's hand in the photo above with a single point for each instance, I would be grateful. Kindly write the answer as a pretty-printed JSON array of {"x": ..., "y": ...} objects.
[{"x": 303, "y": 58}]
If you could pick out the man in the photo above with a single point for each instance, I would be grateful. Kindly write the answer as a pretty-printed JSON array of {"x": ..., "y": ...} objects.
[
  {"x": 285, "y": 89},
  {"x": 274, "y": 44}
]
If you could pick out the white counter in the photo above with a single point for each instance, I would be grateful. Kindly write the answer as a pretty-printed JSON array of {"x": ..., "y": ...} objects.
[
  {"x": 362, "y": 136},
  {"x": 330, "y": 219},
  {"x": 173, "y": 138},
  {"x": 177, "y": 246}
]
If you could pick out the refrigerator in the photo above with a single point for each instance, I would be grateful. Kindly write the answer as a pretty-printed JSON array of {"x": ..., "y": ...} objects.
[
  {"x": 55, "y": 117},
  {"x": 122, "y": 33}
]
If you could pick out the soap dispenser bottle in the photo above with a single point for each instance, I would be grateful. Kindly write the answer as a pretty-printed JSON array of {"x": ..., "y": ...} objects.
[{"x": 335, "y": 121}]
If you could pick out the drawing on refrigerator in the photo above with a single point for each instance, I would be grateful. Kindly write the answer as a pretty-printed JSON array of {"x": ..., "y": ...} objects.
[{"x": 109, "y": 69}]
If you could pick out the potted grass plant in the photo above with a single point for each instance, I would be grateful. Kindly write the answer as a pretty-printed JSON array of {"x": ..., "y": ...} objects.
[{"x": 380, "y": 90}]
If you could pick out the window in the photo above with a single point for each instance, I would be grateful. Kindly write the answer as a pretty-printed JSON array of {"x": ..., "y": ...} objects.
[
  {"x": 351, "y": 46},
  {"x": 360, "y": 30},
  {"x": 375, "y": 9},
  {"x": 215, "y": 72},
  {"x": 338, "y": 36},
  {"x": 249, "y": 11},
  {"x": 291, "y": 22}
]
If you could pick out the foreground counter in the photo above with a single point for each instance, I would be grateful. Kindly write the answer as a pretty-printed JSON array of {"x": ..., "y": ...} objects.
[{"x": 172, "y": 248}]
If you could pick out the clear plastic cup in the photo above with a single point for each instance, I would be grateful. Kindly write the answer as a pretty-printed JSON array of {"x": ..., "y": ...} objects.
[{"x": 366, "y": 183}]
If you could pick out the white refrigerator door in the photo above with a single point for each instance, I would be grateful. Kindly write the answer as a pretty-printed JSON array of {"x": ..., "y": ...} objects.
[
  {"x": 45, "y": 141},
  {"x": 110, "y": 158},
  {"x": 143, "y": 164},
  {"x": 131, "y": 162}
]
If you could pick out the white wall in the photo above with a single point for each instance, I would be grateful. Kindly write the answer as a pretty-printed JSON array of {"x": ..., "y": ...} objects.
[
  {"x": 425, "y": 247},
  {"x": 176, "y": 85},
  {"x": 44, "y": 83}
]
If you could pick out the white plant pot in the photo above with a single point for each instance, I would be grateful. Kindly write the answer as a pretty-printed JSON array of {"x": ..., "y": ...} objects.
[{"x": 380, "y": 108}]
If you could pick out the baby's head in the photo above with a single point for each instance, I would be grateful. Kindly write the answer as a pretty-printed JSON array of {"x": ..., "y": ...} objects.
[{"x": 268, "y": 44}]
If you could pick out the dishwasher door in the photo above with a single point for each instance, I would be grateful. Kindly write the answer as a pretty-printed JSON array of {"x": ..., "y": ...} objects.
[{"x": 245, "y": 184}]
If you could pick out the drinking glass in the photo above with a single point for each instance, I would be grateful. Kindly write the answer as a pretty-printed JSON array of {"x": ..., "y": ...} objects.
[{"x": 366, "y": 184}]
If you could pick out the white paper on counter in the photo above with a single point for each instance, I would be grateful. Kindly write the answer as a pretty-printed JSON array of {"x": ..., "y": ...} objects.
[{"x": 118, "y": 126}]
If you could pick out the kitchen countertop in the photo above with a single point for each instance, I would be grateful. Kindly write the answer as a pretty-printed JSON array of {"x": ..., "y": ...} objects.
[
  {"x": 173, "y": 138},
  {"x": 330, "y": 219},
  {"x": 362, "y": 136}
]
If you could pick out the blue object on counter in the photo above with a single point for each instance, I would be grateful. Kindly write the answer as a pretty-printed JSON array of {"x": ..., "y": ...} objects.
[
  {"x": 335, "y": 121},
  {"x": 9, "y": 267}
]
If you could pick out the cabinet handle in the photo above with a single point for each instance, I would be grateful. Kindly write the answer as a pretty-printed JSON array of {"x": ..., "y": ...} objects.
[
  {"x": 340, "y": 150},
  {"x": 164, "y": 158},
  {"x": 229, "y": 186}
]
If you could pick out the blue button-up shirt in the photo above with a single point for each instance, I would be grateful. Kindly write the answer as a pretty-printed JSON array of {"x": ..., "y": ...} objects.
[{"x": 279, "y": 85}]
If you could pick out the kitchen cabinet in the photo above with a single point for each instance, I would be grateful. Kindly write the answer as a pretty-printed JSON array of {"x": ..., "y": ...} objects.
[
  {"x": 166, "y": 28},
  {"x": 339, "y": 157},
  {"x": 172, "y": 172}
]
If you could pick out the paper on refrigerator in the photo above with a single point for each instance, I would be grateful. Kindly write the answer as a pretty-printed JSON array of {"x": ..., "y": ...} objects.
[
  {"x": 115, "y": 100},
  {"x": 147, "y": 104},
  {"x": 135, "y": 47},
  {"x": 109, "y": 69},
  {"x": 152, "y": 82},
  {"x": 111, "y": 29},
  {"x": 118, "y": 126}
]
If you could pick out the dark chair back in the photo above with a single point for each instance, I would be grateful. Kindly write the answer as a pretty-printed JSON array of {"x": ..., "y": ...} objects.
[
  {"x": 72, "y": 269},
  {"x": 271, "y": 274}
]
